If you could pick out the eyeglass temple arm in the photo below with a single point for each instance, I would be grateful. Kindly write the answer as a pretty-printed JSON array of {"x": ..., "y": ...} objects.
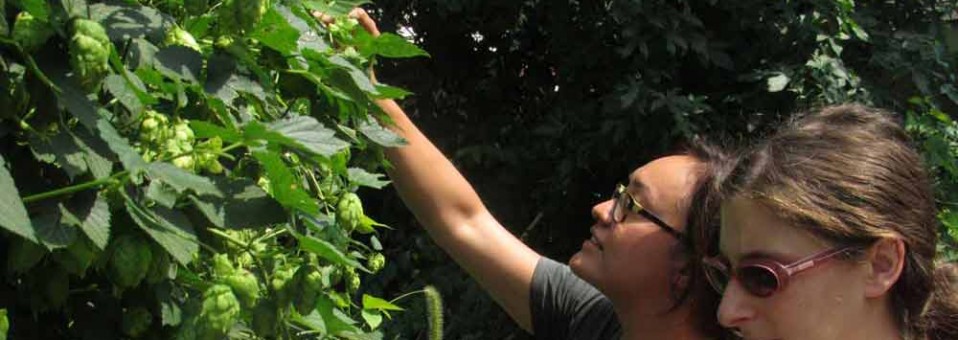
[{"x": 813, "y": 260}]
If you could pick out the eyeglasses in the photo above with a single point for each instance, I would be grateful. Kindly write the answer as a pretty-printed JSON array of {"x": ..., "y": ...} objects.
[
  {"x": 625, "y": 202},
  {"x": 763, "y": 277}
]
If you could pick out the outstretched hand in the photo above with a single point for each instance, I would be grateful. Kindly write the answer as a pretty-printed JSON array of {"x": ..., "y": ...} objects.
[{"x": 359, "y": 14}]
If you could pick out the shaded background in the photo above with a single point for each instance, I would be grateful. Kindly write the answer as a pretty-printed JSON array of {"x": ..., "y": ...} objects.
[{"x": 545, "y": 105}]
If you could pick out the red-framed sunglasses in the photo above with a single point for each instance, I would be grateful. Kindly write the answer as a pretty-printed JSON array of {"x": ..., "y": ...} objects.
[{"x": 763, "y": 277}]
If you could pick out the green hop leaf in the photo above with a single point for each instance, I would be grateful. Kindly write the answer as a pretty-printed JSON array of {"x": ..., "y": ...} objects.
[
  {"x": 219, "y": 311},
  {"x": 77, "y": 257},
  {"x": 349, "y": 211},
  {"x": 136, "y": 322},
  {"x": 179, "y": 36},
  {"x": 90, "y": 49},
  {"x": 245, "y": 285},
  {"x": 376, "y": 262},
  {"x": 131, "y": 261},
  {"x": 31, "y": 33}
]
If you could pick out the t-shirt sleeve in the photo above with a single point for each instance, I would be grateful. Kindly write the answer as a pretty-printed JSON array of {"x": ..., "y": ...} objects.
[{"x": 566, "y": 307}]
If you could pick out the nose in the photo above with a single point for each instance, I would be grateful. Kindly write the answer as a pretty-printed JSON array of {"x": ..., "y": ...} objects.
[
  {"x": 600, "y": 212},
  {"x": 734, "y": 310}
]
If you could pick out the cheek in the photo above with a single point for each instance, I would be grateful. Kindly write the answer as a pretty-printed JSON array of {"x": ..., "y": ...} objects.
[
  {"x": 816, "y": 304},
  {"x": 640, "y": 259}
]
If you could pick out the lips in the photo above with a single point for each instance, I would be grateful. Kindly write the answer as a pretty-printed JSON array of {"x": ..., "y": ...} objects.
[{"x": 595, "y": 240}]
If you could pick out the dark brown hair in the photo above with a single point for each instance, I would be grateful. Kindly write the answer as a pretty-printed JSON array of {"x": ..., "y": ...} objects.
[
  {"x": 703, "y": 205},
  {"x": 849, "y": 175}
]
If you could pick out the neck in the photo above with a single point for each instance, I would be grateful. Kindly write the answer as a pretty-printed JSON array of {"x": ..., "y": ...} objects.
[
  {"x": 657, "y": 323},
  {"x": 881, "y": 321}
]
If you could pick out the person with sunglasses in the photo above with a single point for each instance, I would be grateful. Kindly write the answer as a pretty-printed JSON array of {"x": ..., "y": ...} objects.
[
  {"x": 829, "y": 231},
  {"x": 631, "y": 280}
]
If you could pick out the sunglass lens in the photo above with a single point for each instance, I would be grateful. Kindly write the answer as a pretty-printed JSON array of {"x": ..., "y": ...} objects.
[
  {"x": 717, "y": 277},
  {"x": 757, "y": 280}
]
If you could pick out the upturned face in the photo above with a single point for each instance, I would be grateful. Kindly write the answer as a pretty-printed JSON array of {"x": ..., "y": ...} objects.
[
  {"x": 633, "y": 259},
  {"x": 823, "y": 302}
]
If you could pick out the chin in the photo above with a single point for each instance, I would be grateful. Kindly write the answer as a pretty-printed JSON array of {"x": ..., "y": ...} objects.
[{"x": 581, "y": 267}]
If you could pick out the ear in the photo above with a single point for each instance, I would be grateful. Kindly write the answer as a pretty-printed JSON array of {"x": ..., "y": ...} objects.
[{"x": 885, "y": 261}]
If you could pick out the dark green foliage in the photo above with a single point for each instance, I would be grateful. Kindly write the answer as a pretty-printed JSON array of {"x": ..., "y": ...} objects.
[{"x": 557, "y": 101}]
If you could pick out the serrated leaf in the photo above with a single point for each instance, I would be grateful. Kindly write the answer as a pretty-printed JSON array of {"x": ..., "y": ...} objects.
[
  {"x": 125, "y": 22},
  {"x": 394, "y": 46},
  {"x": 130, "y": 159},
  {"x": 203, "y": 129},
  {"x": 391, "y": 92},
  {"x": 372, "y": 302},
  {"x": 275, "y": 32},
  {"x": 13, "y": 215},
  {"x": 92, "y": 217},
  {"x": 381, "y": 135},
  {"x": 373, "y": 318},
  {"x": 284, "y": 186},
  {"x": 335, "y": 320},
  {"x": 335, "y": 8},
  {"x": 326, "y": 250},
  {"x": 117, "y": 86},
  {"x": 299, "y": 132},
  {"x": 226, "y": 80},
  {"x": 96, "y": 153},
  {"x": 167, "y": 227},
  {"x": 50, "y": 232},
  {"x": 180, "y": 63},
  {"x": 182, "y": 180},
  {"x": 243, "y": 205},
  {"x": 777, "y": 82},
  {"x": 66, "y": 152},
  {"x": 364, "y": 178},
  {"x": 359, "y": 77},
  {"x": 161, "y": 193},
  {"x": 170, "y": 312},
  {"x": 38, "y": 8}
]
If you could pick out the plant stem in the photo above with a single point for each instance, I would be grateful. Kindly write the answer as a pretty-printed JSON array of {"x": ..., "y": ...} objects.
[{"x": 73, "y": 188}]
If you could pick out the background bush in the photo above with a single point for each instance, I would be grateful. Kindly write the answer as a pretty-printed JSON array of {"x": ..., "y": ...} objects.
[{"x": 544, "y": 105}]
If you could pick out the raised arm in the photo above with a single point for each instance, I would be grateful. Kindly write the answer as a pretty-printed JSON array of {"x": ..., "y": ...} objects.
[{"x": 455, "y": 217}]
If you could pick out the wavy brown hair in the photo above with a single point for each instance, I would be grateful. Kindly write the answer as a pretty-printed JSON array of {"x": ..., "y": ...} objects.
[{"x": 849, "y": 175}]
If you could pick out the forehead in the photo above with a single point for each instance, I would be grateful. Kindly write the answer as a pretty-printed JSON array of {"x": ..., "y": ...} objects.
[
  {"x": 750, "y": 229},
  {"x": 665, "y": 184}
]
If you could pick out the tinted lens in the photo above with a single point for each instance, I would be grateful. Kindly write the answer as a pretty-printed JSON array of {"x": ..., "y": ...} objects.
[
  {"x": 620, "y": 205},
  {"x": 717, "y": 275},
  {"x": 758, "y": 280}
]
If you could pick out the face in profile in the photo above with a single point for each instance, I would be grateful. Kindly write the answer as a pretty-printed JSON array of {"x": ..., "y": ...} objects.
[
  {"x": 775, "y": 292},
  {"x": 633, "y": 258}
]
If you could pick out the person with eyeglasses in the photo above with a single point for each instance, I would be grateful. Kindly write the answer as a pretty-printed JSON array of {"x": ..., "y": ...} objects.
[
  {"x": 632, "y": 279},
  {"x": 829, "y": 231}
]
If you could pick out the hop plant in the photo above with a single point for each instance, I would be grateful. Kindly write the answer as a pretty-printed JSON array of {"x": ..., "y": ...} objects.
[
  {"x": 178, "y": 36},
  {"x": 219, "y": 311},
  {"x": 349, "y": 211},
  {"x": 131, "y": 261},
  {"x": 30, "y": 32},
  {"x": 245, "y": 285},
  {"x": 4, "y": 324},
  {"x": 159, "y": 268},
  {"x": 77, "y": 257},
  {"x": 311, "y": 285},
  {"x": 376, "y": 262},
  {"x": 90, "y": 49},
  {"x": 241, "y": 15},
  {"x": 283, "y": 281}
]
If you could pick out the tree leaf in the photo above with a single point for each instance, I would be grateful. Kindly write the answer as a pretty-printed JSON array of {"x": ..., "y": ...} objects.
[
  {"x": 50, "y": 231},
  {"x": 777, "y": 82},
  {"x": 92, "y": 216},
  {"x": 161, "y": 193},
  {"x": 391, "y": 92},
  {"x": 131, "y": 160},
  {"x": 182, "y": 180},
  {"x": 125, "y": 22},
  {"x": 381, "y": 135},
  {"x": 373, "y": 318},
  {"x": 13, "y": 215},
  {"x": 209, "y": 130},
  {"x": 359, "y": 77},
  {"x": 326, "y": 250},
  {"x": 284, "y": 186},
  {"x": 180, "y": 63},
  {"x": 167, "y": 227},
  {"x": 394, "y": 46},
  {"x": 299, "y": 132},
  {"x": 38, "y": 8},
  {"x": 116, "y": 85},
  {"x": 243, "y": 205},
  {"x": 226, "y": 80},
  {"x": 372, "y": 302},
  {"x": 275, "y": 32},
  {"x": 335, "y": 8},
  {"x": 364, "y": 178}
]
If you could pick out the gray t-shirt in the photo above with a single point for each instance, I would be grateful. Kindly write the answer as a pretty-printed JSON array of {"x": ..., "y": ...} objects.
[{"x": 566, "y": 307}]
